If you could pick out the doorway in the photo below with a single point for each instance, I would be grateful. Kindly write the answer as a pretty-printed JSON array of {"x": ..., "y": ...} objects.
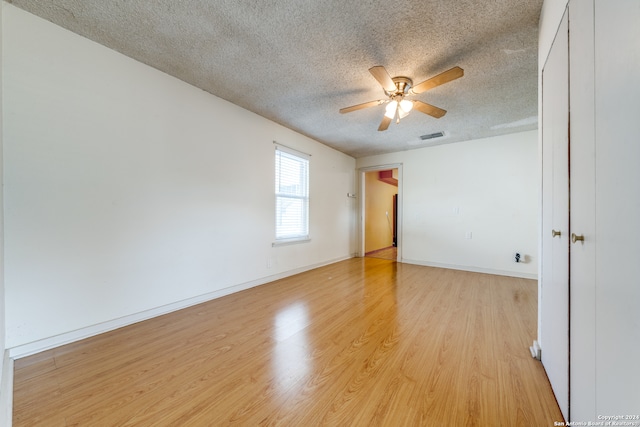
[{"x": 380, "y": 212}]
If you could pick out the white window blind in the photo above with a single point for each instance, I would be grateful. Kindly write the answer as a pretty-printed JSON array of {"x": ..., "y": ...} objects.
[{"x": 292, "y": 196}]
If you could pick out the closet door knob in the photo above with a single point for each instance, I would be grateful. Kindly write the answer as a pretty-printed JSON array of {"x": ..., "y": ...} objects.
[
  {"x": 555, "y": 233},
  {"x": 577, "y": 237}
]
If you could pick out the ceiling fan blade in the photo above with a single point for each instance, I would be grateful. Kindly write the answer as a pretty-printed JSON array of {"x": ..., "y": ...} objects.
[
  {"x": 440, "y": 79},
  {"x": 384, "y": 124},
  {"x": 361, "y": 106},
  {"x": 383, "y": 77},
  {"x": 429, "y": 109}
]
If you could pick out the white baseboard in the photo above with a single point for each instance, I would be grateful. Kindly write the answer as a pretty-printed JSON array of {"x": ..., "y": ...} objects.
[
  {"x": 473, "y": 269},
  {"x": 6, "y": 391},
  {"x": 89, "y": 331}
]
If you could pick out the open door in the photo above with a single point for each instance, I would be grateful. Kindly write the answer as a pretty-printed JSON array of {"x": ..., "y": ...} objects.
[{"x": 380, "y": 212}]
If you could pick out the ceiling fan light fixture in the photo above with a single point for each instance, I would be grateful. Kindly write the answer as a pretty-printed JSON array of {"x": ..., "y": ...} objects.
[
  {"x": 406, "y": 105},
  {"x": 390, "y": 109}
]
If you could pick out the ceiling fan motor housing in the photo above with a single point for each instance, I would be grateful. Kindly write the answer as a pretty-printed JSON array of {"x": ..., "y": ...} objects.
[{"x": 403, "y": 85}]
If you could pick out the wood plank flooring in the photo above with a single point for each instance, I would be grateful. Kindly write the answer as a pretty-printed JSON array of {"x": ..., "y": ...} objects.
[
  {"x": 390, "y": 253},
  {"x": 363, "y": 342}
]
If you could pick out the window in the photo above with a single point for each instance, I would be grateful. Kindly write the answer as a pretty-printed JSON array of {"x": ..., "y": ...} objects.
[{"x": 292, "y": 196}]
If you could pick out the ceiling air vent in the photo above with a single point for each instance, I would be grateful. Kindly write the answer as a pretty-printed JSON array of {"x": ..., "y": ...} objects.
[{"x": 432, "y": 136}]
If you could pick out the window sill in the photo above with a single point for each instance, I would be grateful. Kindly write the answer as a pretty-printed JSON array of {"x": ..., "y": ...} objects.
[{"x": 294, "y": 241}]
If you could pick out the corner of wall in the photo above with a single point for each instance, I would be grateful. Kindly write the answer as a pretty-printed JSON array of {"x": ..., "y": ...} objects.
[
  {"x": 2, "y": 308},
  {"x": 6, "y": 364},
  {"x": 6, "y": 391}
]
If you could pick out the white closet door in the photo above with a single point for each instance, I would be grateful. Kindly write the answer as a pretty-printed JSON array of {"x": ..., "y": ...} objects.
[
  {"x": 554, "y": 336},
  {"x": 617, "y": 88},
  {"x": 582, "y": 218}
]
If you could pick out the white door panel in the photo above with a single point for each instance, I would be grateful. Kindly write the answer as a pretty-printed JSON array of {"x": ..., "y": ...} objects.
[
  {"x": 582, "y": 216},
  {"x": 554, "y": 336},
  {"x": 617, "y": 309}
]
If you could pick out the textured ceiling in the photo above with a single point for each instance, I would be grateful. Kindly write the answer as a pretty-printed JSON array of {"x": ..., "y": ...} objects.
[{"x": 297, "y": 62}]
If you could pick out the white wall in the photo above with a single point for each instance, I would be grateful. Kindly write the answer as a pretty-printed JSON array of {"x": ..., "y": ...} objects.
[
  {"x": 488, "y": 187},
  {"x": 6, "y": 367},
  {"x": 2, "y": 309},
  {"x": 128, "y": 191}
]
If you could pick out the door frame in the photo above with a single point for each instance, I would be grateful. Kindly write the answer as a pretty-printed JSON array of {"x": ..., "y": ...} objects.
[{"x": 362, "y": 210}]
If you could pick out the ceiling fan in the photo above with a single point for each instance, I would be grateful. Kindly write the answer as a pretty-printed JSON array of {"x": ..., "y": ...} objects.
[{"x": 397, "y": 88}]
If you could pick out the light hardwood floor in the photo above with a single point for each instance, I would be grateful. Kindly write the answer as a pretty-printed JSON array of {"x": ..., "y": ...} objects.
[
  {"x": 390, "y": 253},
  {"x": 363, "y": 342}
]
